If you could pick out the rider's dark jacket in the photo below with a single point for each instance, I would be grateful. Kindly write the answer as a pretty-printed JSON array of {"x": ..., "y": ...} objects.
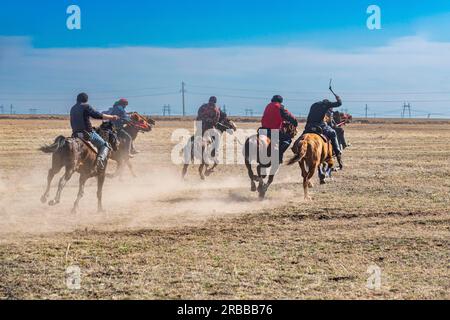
[
  {"x": 319, "y": 109},
  {"x": 80, "y": 115}
]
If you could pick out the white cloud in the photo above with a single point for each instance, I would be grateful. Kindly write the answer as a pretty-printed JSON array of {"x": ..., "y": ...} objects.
[{"x": 410, "y": 64}]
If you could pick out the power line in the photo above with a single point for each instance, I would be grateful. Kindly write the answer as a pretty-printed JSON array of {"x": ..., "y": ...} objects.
[
  {"x": 95, "y": 98},
  {"x": 321, "y": 92}
]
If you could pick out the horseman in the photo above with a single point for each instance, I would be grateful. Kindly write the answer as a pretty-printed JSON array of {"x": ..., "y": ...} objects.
[
  {"x": 80, "y": 122},
  {"x": 274, "y": 116},
  {"x": 210, "y": 114},
  {"x": 316, "y": 120},
  {"x": 118, "y": 109}
]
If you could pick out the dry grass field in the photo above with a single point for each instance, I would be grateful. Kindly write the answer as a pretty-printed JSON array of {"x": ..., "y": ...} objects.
[{"x": 165, "y": 238}]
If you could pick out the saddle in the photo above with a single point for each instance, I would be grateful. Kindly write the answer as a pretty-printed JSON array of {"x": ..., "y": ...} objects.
[
  {"x": 316, "y": 130},
  {"x": 84, "y": 138}
]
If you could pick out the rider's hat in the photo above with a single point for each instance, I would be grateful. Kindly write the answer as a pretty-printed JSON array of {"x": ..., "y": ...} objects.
[
  {"x": 122, "y": 102},
  {"x": 213, "y": 99},
  {"x": 277, "y": 98}
]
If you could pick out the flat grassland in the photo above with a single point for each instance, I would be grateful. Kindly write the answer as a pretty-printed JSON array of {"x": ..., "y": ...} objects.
[{"x": 165, "y": 238}]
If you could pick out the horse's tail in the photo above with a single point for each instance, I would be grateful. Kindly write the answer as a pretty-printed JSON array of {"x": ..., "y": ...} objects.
[
  {"x": 301, "y": 152},
  {"x": 55, "y": 146}
]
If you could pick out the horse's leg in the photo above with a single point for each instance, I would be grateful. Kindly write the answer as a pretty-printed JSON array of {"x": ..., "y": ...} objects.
[
  {"x": 130, "y": 166},
  {"x": 100, "y": 182},
  {"x": 260, "y": 178},
  {"x": 265, "y": 187},
  {"x": 211, "y": 170},
  {"x": 116, "y": 172},
  {"x": 200, "y": 170},
  {"x": 304, "y": 176},
  {"x": 51, "y": 174},
  {"x": 56, "y": 167},
  {"x": 307, "y": 178},
  {"x": 183, "y": 173},
  {"x": 251, "y": 176},
  {"x": 83, "y": 179},
  {"x": 62, "y": 183}
]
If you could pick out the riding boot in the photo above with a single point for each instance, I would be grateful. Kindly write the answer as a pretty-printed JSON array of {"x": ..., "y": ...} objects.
[
  {"x": 339, "y": 160},
  {"x": 102, "y": 158},
  {"x": 337, "y": 152}
]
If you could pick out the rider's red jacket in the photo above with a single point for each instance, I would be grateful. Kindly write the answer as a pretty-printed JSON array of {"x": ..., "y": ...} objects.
[{"x": 274, "y": 115}]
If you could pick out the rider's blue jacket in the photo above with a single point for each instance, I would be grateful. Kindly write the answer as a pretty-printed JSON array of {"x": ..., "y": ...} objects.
[{"x": 121, "y": 113}]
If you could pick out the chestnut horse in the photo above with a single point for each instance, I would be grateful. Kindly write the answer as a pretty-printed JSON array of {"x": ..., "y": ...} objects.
[
  {"x": 312, "y": 152},
  {"x": 258, "y": 145},
  {"x": 137, "y": 124},
  {"x": 77, "y": 155}
]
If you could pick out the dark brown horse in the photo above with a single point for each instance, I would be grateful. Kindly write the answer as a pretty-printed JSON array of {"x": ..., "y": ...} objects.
[
  {"x": 206, "y": 148},
  {"x": 256, "y": 148},
  {"x": 76, "y": 155},
  {"x": 137, "y": 124}
]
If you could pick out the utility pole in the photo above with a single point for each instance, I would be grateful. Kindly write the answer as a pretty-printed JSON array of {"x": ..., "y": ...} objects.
[
  {"x": 224, "y": 108},
  {"x": 183, "y": 90},
  {"x": 166, "y": 109},
  {"x": 11, "y": 109},
  {"x": 2, "y": 109},
  {"x": 406, "y": 106},
  {"x": 367, "y": 109},
  {"x": 249, "y": 112}
]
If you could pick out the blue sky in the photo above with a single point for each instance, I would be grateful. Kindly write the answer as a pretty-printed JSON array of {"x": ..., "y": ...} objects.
[
  {"x": 200, "y": 23},
  {"x": 242, "y": 51}
]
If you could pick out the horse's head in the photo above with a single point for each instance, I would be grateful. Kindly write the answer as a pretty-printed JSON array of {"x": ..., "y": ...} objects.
[
  {"x": 289, "y": 129},
  {"x": 109, "y": 134},
  {"x": 226, "y": 124},
  {"x": 141, "y": 123}
]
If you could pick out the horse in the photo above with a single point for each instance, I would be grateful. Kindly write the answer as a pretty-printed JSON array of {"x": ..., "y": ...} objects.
[
  {"x": 137, "y": 124},
  {"x": 77, "y": 155},
  {"x": 253, "y": 148},
  {"x": 204, "y": 149},
  {"x": 313, "y": 152}
]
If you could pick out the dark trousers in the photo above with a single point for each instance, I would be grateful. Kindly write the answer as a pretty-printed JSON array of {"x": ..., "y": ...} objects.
[{"x": 341, "y": 137}]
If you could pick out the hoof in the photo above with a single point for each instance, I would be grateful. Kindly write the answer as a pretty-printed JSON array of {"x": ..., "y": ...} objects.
[
  {"x": 253, "y": 188},
  {"x": 101, "y": 210},
  {"x": 43, "y": 199},
  {"x": 322, "y": 182},
  {"x": 208, "y": 173},
  {"x": 73, "y": 211},
  {"x": 310, "y": 185},
  {"x": 202, "y": 177},
  {"x": 52, "y": 203}
]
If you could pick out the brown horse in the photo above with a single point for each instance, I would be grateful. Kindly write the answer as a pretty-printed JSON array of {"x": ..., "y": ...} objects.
[
  {"x": 206, "y": 148},
  {"x": 258, "y": 145},
  {"x": 311, "y": 152},
  {"x": 137, "y": 124},
  {"x": 76, "y": 155}
]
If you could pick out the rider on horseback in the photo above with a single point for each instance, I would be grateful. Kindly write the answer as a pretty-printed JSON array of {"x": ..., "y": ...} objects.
[
  {"x": 210, "y": 114},
  {"x": 274, "y": 116},
  {"x": 118, "y": 109},
  {"x": 80, "y": 122},
  {"x": 316, "y": 120}
]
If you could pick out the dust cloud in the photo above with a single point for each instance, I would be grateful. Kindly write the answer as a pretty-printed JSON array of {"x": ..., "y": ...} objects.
[{"x": 158, "y": 198}]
